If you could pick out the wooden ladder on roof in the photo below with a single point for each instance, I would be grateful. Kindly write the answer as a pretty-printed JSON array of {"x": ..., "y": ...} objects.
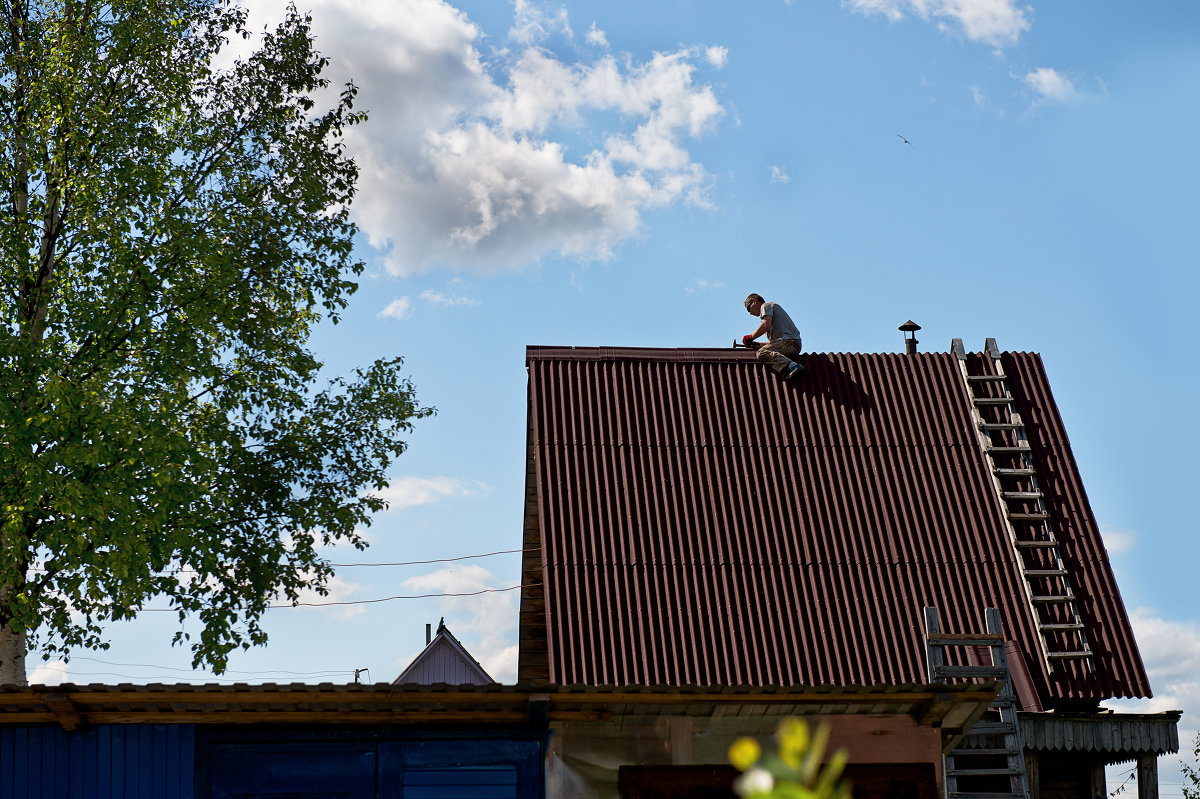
[
  {"x": 1005, "y": 444},
  {"x": 989, "y": 762}
]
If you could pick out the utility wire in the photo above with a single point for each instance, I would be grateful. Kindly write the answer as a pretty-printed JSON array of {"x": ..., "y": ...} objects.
[
  {"x": 438, "y": 560},
  {"x": 390, "y": 598},
  {"x": 366, "y": 564},
  {"x": 149, "y": 676},
  {"x": 265, "y": 675},
  {"x": 1116, "y": 791},
  {"x": 361, "y": 601},
  {"x": 228, "y": 671}
]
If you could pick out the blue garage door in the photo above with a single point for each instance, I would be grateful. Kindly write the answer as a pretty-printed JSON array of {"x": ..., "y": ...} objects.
[
  {"x": 293, "y": 771},
  {"x": 461, "y": 769},
  {"x": 471, "y": 782}
]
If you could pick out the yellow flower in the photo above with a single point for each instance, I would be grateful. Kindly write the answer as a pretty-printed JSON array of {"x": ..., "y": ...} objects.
[
  {"x": 793, "y": 741},
  {"x": 744, "y": 753}
]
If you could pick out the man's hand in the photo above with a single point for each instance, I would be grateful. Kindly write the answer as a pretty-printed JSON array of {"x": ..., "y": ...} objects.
[{"x": 746, "y": 339}]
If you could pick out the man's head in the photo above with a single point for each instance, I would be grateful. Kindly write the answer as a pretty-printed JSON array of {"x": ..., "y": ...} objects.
[{"x": 754, "y": 304}]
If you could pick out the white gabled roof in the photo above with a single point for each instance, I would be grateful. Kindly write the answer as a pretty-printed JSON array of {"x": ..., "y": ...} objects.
[{"x": 444, "y": 660}]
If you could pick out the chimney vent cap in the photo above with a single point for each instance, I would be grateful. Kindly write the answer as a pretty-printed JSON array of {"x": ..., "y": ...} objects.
[{"x": 910, "y": 327}]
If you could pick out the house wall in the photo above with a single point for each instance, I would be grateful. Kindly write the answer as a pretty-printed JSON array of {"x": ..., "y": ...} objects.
[
  {"x": 183, "y": 761},
  {"x": 136, "y": 760},
  {"x": 351, "y": 765},
  {"x": 584, "y": 759},
  {"x": 869, "y": 781}
]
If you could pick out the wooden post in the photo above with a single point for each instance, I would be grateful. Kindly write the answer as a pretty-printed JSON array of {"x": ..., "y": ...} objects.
[
  {"x": 1032, "y": 775},
  {"x": 1099, "y": 786},
  {"x": 1147, "y": 776},
  {"x": 681, "y": 740}
]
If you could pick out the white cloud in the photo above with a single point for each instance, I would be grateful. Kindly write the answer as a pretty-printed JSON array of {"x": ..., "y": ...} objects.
[
  {"x": 596, "y": 36},
  {"x": 1051, "y": 85},
  {"x": 486, "y": 624},
  {"x": 54, "y": 672},
  {"x": 446, "y": 300},
  {"x": 532, "y": 22},
  {"x": 1171, "y": 652},
  {"x": 408, "y": 492},
  {"x": 717, "y": 56},
  {"x": 501, "y": 663},
  {"x": 700, "y": 284},
  {"x": 1117, "y": 541},
  {"x": 978, "y": 96},
  {"x": 399, "y": 309},
  {"x": 779, "y": 175},
  {"x": 999, "y": 23},
  {"x": 473, "y": 162}
]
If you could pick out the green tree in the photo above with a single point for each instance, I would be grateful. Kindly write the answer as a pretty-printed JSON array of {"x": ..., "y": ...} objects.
[
  {"x": 1191, "y": 772},
  {"x": 170, "y": 233}
]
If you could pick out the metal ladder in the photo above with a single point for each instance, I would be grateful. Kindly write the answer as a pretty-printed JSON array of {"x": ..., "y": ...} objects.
[
  {"x": 1005, "y": 444},
  {"x": 972, "y": 770}
]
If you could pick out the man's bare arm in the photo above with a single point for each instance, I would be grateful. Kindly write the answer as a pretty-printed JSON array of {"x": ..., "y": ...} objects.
[{"x": 763, "y": 327}]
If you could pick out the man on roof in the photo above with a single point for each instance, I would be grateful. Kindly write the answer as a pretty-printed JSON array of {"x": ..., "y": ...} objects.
[{"x": 783, "y": 339}]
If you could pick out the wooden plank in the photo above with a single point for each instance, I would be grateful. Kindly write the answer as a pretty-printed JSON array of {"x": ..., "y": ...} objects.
[
  {"x": 95, "y": 701},
  {"x": 302, "y": 717},
  {"x": 965, "y": 639},
  {"x": 835, "y": 697},
  {"x": 934, "y": 656},
  {"x": 934, "y": 712},
  {"x": 65, "y": 713},
  {"x": 990, "y": 672}
]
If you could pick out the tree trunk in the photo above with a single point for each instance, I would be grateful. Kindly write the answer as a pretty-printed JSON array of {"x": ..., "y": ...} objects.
[{"x": 12, "y": 657}]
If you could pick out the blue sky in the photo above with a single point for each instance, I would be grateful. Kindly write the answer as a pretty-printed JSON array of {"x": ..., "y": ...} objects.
[{"x": 620, "y": 173}]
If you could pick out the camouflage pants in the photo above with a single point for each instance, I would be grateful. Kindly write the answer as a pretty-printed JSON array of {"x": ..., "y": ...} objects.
[{"x": 779, "y": 354}]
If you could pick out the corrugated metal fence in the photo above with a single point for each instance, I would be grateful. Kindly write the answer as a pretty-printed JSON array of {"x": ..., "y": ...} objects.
[{"x": 134, "y": 761}]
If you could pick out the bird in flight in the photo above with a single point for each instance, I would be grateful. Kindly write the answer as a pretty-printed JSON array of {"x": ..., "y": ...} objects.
[{"x": 906, "y": 141}]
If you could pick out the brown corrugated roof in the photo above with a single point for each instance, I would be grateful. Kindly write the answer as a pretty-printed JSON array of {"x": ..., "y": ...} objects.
[{"x": 702, "y": 523}]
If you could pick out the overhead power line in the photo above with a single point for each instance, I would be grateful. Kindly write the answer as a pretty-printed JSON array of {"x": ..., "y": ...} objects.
[
  {"x": 214, "y": 678},
  {"x": 390, "y": 598},
  {"x": 370, "y": 564},
  {"x": 193, "y": 671},
  {"x": 437, "y": 560},
  {"x": 362, "y": 601}
]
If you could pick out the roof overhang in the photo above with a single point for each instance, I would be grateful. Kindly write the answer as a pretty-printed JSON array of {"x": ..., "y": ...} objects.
[
  {"x": 73, "y": 706},
  {"x": 952, "y": 709},
  {"x": 1117, "y": 737}
]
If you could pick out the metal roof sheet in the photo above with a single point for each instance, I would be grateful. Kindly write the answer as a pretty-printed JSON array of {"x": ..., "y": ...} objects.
[{"x": 702, "y": 523}]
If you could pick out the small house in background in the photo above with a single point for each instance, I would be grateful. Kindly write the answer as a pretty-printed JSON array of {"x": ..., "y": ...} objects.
[
  {"x": 714, "y": 548},
  {"x": 444, "y": 660}
]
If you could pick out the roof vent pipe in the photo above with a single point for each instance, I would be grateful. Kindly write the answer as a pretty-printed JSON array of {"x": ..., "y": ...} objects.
[
  {"x": 428, "y": 634},
  {"x": 910, "y": 329}
]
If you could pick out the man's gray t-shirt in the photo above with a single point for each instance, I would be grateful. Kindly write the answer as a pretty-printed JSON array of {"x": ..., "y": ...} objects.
[{"x": 782, "y": 326}]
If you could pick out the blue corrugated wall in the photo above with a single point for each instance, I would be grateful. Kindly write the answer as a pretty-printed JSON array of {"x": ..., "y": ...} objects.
[
  {"x": 131, "y": 761},
  {"x": 365, "y": 769},
  {"x": 177, "y": 761}
]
